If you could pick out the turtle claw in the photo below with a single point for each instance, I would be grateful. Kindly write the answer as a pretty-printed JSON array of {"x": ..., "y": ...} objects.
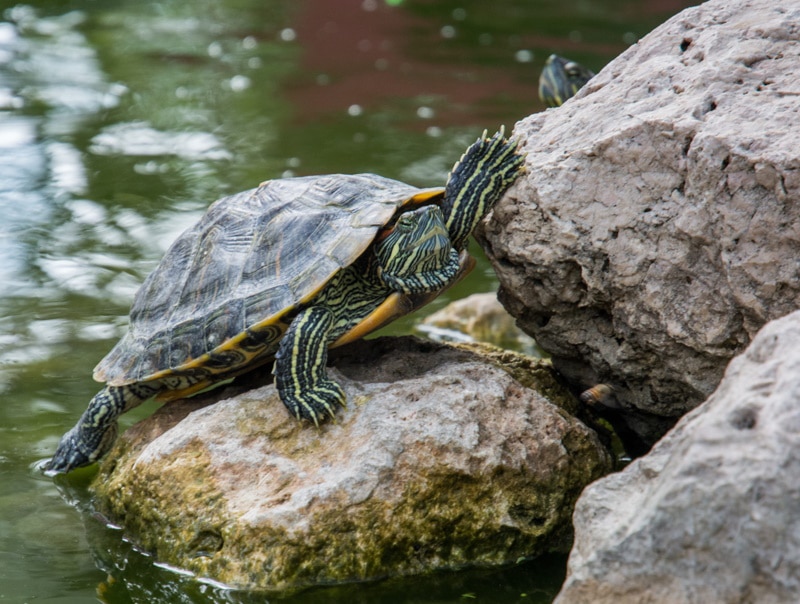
[
  {"x": 68, "y": 455},
  {"x": 316, "y": 405}
]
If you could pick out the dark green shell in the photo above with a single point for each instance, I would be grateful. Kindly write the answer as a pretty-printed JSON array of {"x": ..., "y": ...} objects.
[{"x": 252, "y": 258}]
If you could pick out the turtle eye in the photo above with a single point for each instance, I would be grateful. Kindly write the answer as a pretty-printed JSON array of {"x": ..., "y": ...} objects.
[
  {"x": 572, "y": 68},
  {"x": 405, "y": 223}
]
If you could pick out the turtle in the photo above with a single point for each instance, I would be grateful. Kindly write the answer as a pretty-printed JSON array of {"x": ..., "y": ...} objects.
[
  {"x": 561, "y": 79},
  {"x": 281, "y": 273}
]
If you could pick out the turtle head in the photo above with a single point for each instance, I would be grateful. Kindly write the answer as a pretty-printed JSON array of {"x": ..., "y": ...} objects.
[
  {"x": 422, "y": 230},
  {"x": 416, "y": 255},
  {"x": 477, "y": 181},
  {"x": 561, "y": 79}
]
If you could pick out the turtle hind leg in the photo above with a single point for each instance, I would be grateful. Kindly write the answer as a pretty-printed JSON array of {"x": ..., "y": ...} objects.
[
  {"x": 96, "y": 430},
  {"x": 300, "y": 375}
]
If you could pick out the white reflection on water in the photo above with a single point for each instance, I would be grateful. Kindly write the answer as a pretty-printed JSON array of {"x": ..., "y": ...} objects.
[
  {"x": 67, "y": 174},
  {"x": 50, "y": 72},
  {"x": 17, "y": 132},
  {"x": 139, "y": 138},
  {"x": 56, "y": 67},
  {"x": 87, "y": 212},
  {"x": 22, "y": 205},
  {"x": 72, "y": 275},
  {"x": 51, "y": 85}
]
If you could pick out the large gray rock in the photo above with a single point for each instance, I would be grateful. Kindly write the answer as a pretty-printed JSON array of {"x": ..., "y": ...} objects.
[
  {"x": 658, "y": 226},
  {"x": 712, "y": 514},
  {"x": 441, "y": 460}
]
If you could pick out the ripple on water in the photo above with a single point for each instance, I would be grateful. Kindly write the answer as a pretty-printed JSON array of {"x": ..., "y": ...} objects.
[
  {"x": 86, "y": 211},
  {"x": 56, "y": 66},
  {"x": 50, "y": 83},
  {"x": 23, "y": 211},
  {"x": 72, "y": 275}
]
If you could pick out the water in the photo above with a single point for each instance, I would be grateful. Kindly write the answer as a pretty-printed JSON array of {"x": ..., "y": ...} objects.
[{"x": 119, "y": 123}]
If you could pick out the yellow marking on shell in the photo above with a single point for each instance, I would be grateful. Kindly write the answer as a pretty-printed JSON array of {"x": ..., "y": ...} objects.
[
  {"x": 235, "y": 342},
  {"x": 172, "y": 395},
  {"x": 423, "y": 197}
]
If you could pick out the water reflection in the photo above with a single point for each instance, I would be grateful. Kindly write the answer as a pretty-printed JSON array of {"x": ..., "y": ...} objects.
[{"x": 51, "y": 85}]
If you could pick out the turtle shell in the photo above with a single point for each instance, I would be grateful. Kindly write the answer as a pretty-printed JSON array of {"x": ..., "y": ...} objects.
[{"x": 251, "y": 259}]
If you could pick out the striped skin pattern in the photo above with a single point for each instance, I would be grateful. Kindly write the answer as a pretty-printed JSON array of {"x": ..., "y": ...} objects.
[
  {"x": 283, "y": 272},
  {"x": 417, "y": 255},
  {"x": 300, "y": 374},
  {"x": 96, "y": 430},
  {"x": 476, "y": 183},
  {"x": 561, "y": 79}
]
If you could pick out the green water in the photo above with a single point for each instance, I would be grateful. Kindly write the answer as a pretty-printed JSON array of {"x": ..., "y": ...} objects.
[{"x": 121, "y": 120}]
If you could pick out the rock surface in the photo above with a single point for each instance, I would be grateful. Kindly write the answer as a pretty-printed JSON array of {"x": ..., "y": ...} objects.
[
  {"x": 441, "y": 460},
  {"x": 478, "y": 318},
  {"x": 658, "y": 226},
  {"x": 711, "y": 514}
]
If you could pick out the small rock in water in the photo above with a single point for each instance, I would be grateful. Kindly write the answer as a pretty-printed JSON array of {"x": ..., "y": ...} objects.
[{"x": 478, "y": 318}]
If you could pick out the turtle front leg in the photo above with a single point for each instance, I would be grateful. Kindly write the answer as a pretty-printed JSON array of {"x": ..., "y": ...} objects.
[
  {"x": 300, "y": 375},
  {"x": 96, "y": 430}
]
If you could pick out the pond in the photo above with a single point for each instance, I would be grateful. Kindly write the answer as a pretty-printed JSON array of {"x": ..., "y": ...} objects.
[{"x": 120, "y": 121}]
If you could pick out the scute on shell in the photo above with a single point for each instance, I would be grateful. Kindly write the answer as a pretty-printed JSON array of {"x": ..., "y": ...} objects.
[{"x": 252, "y": 257}]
